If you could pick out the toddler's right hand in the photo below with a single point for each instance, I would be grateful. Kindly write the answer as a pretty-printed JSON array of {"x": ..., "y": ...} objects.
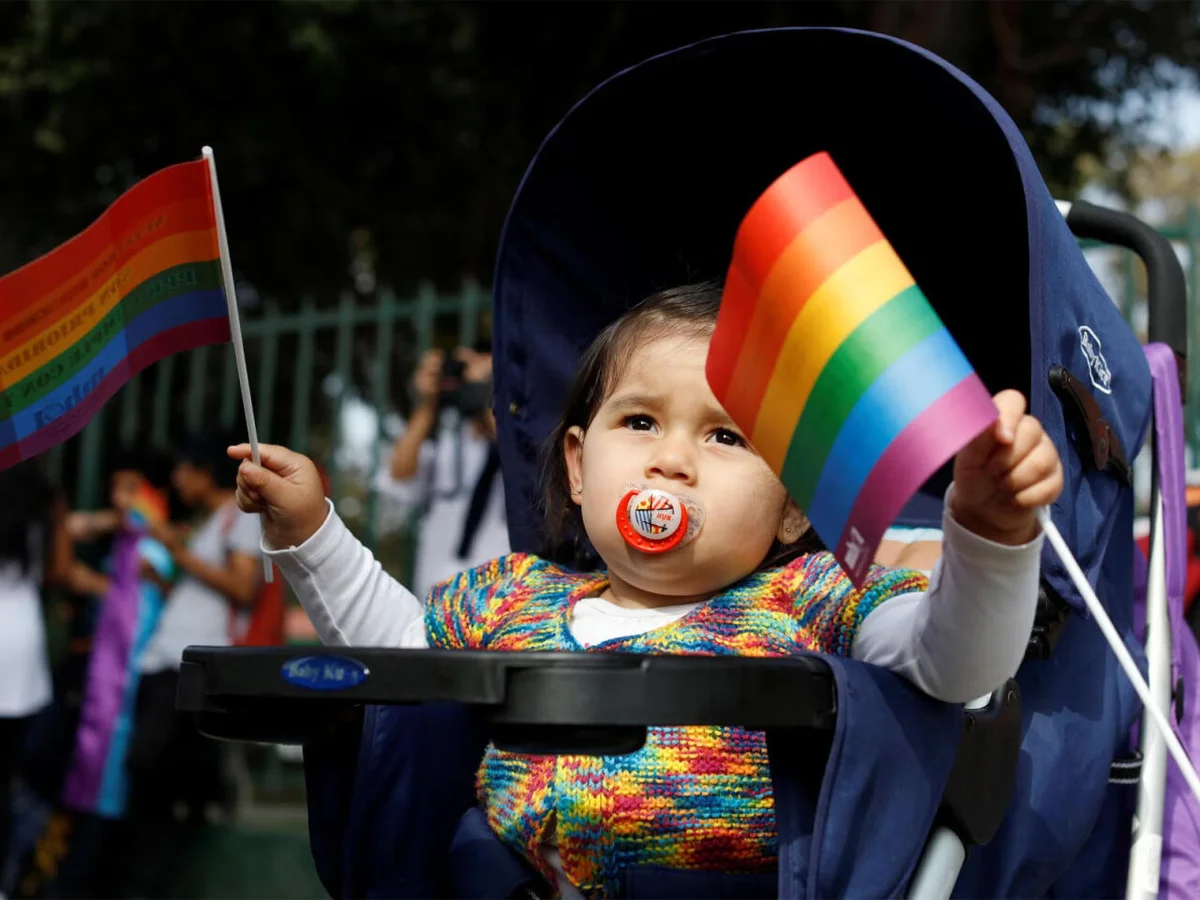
[{"x": 286, "y": 490}]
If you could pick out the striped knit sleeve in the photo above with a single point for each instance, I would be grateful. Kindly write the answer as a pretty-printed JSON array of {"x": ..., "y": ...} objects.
[
  {"x": 829, "y": 609},
  {"x": 458, "y": 611}
]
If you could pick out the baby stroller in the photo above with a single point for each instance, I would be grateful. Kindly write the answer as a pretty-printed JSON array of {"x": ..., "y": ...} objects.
[{"x": 879, "y": 790}]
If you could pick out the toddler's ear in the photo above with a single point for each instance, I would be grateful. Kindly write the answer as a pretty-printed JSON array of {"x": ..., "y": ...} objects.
[
  {"x": 573, "y": 456},
  {"x": 793, "y": 524}
]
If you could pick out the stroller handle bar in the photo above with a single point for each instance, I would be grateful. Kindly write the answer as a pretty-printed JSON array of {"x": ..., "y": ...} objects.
[{"x": 1166, "y": 286}]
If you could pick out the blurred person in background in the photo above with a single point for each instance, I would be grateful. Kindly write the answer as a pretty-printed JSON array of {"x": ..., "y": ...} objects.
[
  {"x": 219, "y": 568},
  {"x": 444, "y": 468},
  {"x": 86, "y": 791},
  {"x": 34, "y": 554}
]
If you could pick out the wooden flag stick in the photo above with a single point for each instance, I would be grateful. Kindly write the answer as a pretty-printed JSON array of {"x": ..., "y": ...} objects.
[{"x": 235, "y": 325}]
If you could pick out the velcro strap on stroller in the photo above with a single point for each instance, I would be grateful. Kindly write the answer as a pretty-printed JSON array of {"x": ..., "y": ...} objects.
[
  {"x": 1099, "y": 448},
  {"x": 1095, "y": 438}
]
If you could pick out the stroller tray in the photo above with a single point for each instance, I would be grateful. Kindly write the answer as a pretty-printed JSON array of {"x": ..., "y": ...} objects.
[{"x": 284, "y": 694}]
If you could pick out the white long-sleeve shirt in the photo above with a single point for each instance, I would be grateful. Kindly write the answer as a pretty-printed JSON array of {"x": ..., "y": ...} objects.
[{"x": 956, "y": 641}]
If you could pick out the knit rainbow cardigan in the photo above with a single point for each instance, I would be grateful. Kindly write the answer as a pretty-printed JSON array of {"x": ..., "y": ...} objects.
[{"x": 692, "y": 797}]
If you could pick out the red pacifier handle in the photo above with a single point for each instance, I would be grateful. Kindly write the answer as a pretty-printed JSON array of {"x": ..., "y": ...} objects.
[{"x": 652, "y": 521}]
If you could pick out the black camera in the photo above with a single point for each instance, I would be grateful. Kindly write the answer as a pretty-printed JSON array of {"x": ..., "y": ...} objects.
[
  {"x": 470, "y": 398},
  {"x": 453, "y": 369}
]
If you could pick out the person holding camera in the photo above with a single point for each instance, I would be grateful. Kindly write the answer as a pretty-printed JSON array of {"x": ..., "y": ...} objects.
[{"x": 445, "y": 467}]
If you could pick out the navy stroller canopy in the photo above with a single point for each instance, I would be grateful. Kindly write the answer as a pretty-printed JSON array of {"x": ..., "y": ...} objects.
[{"x": 644, "y": 182}]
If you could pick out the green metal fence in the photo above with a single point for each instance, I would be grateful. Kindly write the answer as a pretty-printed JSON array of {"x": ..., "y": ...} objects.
[
  {"x": 305, "y": 367},
  {"x": 308, "y": 365}
]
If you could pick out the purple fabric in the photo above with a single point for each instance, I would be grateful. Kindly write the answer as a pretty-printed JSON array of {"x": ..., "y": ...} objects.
[
  {"x": 1168, "y": 436},
  {"x": 1180, "y": 879},
  {"x": 108, "y": 669},
  {"x": 1180, "y": 875}
]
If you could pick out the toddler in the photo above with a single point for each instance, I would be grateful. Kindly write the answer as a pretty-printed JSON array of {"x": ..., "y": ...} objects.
[{"x": 667, "y": 533}]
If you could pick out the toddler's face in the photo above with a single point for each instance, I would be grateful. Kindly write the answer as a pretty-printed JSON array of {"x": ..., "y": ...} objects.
[{"x": 661, "y": 426}]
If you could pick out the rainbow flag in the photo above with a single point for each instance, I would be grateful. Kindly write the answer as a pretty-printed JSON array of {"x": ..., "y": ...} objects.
[
  {"x": 149, "y": 505},
  {"x": 140, "y": 283},
  {"x": 829, "y": 357}
]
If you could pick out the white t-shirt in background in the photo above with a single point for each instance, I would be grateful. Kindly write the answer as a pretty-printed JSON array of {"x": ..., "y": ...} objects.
[
  {"x": 448, "y": 468},
  {"x": 196, "y": 614},
  {"x": 25, "y": 684}
]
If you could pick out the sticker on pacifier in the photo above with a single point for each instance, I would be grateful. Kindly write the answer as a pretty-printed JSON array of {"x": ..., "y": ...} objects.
[{"x": 653, "y": 520}]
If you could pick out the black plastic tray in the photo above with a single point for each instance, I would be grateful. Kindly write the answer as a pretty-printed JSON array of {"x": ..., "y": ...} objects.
[{"x": 287, "y": 694}]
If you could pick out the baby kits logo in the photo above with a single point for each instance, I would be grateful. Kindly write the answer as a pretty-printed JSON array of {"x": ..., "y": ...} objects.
[
  {"x": 1098, "y": 369},
  {"x": 324, "y": 673}
]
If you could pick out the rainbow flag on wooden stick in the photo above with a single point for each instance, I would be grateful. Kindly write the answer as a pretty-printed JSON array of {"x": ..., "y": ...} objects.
[
  {"x": 831, "y": 359},
  {"x": 142, "y": 282}
]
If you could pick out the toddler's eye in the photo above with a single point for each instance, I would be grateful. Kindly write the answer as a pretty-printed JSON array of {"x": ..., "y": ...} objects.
[
  {"x": 639, "y": 423},
  {"x": 728, "y": 438}
]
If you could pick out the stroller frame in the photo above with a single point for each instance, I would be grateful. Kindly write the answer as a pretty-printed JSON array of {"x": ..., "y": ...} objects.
[{"x": 1167, "y": 297}]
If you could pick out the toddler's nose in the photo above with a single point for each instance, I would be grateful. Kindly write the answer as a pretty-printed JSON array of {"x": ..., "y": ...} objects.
[{"x": 672, "y": 461}]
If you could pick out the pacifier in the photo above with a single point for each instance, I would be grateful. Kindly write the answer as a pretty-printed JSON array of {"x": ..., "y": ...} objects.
[{"x": 653, "y": 520}]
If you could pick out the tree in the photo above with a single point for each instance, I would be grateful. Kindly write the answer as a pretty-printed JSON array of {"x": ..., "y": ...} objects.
[
  {"x": 1165, "y": 185},
  {"x": 384, "y": 141}
]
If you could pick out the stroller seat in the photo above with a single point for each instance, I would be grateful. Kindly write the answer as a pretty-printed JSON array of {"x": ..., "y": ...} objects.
[
  {"x": 879, "y": 790},
  {"x": 599, "y": 703}
]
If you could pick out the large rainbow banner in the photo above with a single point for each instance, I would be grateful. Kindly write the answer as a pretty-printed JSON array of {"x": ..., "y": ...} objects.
[
  {"x": 829, "y": 357},
  {"x": 140, "y": 283}
]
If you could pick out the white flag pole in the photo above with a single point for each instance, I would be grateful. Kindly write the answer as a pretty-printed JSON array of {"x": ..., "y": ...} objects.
[
  {"x": 235, "y": 324},
  {"x": 1118, "y": 647}
]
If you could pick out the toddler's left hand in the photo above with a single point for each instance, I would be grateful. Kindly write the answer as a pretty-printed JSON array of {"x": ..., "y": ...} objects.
[{"x": 1005, "y": 474}]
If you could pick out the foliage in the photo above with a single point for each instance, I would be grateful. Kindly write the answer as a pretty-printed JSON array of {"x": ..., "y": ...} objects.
[{"x": 363, "y": 142}]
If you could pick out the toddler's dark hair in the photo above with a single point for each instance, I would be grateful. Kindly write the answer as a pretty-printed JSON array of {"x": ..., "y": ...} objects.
[{"x": 688, "y": 310}]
